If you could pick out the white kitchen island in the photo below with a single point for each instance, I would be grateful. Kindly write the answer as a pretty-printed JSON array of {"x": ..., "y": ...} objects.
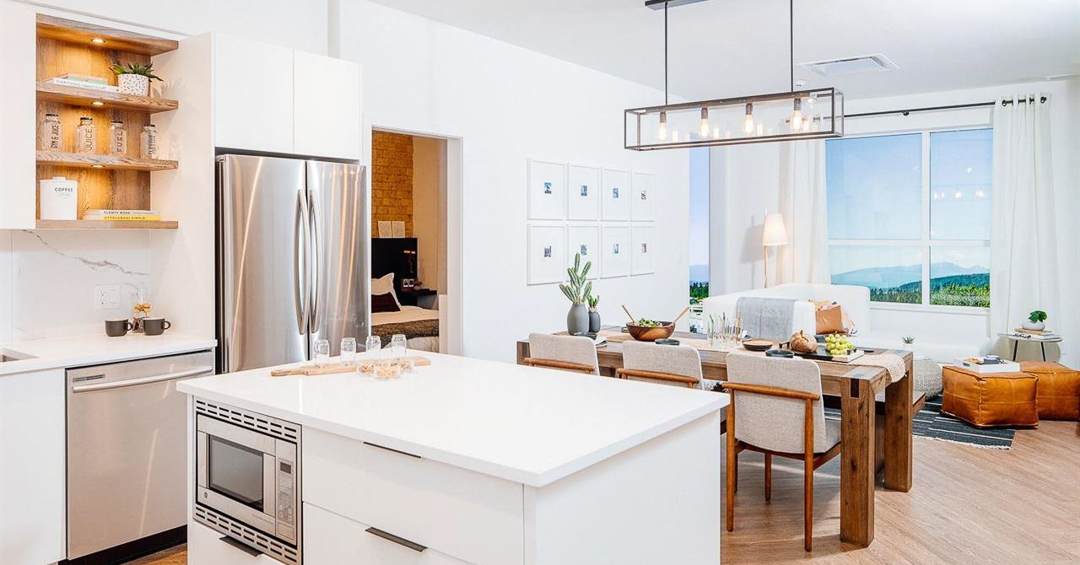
[{"x": 488, "y": 463}]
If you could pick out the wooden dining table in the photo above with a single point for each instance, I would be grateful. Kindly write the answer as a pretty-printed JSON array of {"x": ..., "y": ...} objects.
[{"x": 857, "y": 387}]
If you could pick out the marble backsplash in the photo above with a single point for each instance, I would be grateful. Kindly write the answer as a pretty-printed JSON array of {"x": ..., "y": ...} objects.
[{"x": 47, "y": 279}]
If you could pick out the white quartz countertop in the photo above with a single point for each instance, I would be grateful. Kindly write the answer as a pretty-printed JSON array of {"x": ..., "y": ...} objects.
[
  {"x": 523, "y": 424},
  {"x": 84, "y": 350}
]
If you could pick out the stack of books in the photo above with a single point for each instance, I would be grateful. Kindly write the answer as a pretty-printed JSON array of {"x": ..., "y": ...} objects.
[
  {"x": 122, "y": 215},
  {"x": 84, "y": 81},
  {"x": 1041, "y": 334}
]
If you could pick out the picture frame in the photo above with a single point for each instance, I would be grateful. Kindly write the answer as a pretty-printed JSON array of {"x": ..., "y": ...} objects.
[
  {"x": 385, "y": 229},
  {"x": 585, "y": 240},
  {"x": 547, "y": 190},
  {"x": 615, "y": 197},
  {"x": 546, "y": 254},
  {"x": 583, "y": 193},
  {"x": 642, "y": 201},
  {"x": 615, "y": 253},
  {"x": 642, "y": 250},
  {"x": 398, "y": 227}
]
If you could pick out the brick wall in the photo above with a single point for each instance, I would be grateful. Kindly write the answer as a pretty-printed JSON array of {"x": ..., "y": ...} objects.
[{"x": 391, "y": 180}]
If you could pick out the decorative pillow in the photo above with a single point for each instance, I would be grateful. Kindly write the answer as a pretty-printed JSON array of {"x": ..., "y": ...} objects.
[
  {"x": 830, "y": 320},
  {"x": 385, "y": 285},
  {"x": 384, "y": 303}
]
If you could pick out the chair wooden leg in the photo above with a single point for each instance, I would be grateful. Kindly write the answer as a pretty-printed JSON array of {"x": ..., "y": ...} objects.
[
  {"x": 735, "y": 472},
  {"x": 768, "y": 477},
  {"x": 808, "y": 478},
  {"x": 731, "y": 466}
]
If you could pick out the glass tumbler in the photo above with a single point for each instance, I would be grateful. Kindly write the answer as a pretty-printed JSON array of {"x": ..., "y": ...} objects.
[
  {"x": 322, "y": 352},
  {"x": 397, "y": 346},
  {"x": 348, "y": 350},
  {"x": 374, "y": 343}
]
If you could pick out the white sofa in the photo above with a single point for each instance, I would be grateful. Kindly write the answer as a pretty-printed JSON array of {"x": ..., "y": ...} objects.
[{"x": 855, "y": 300}]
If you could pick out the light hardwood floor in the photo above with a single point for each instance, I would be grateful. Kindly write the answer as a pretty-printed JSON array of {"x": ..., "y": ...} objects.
[{"x": 968, "y": 506}]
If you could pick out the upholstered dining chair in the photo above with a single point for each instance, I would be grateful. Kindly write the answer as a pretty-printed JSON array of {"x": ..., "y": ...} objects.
[
  {"x": 776, "y": 409},
  {"x": 564, "y": 352},
  {"x": 677, "y": 365}
]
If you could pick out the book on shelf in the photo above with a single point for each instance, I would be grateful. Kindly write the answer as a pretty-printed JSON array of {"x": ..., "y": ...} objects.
[
  {"x": 124, "y": 218},
  {"x": 1033, "y": 332},
  {"x": 122, "y": 215},
  {"x": 117, "y": 212},
  {"x": 84, "y": 78},
  {"x": 83, "y": 84}
]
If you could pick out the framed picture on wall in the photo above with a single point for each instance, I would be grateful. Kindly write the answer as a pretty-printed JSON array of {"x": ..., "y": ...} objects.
[
  {"x": 641, "y": 201},
  {"x": 584, "y": 240},
  {"x": 641, "y": 244},
  {"x": 546, "y": 254},
  {"x": 583, "y": 193},
  {"x": 615, "y": 255},
  {"x": 547, "y": 190},
  {"x": 615, "y": 197}
]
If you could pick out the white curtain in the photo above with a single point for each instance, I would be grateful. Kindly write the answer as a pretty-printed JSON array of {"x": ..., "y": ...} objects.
[
  {"x": 805, "y": 259},
  {"x": 1023, "y": 233}
]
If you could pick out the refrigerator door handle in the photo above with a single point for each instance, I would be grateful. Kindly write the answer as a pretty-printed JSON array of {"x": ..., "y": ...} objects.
[
  {"x": 300, "y": 246},
  {"x": 316, "y": 259}
]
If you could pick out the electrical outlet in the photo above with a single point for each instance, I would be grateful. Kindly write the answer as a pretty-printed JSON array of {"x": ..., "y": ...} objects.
[{"x": 106, "y": 296}]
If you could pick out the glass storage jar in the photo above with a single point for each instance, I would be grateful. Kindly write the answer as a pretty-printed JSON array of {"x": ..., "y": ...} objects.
[
  {"x": 117, "y": 138},
  {"x": 51, "y": 133},
  {"x": 148, "y": 147},
  {"x": 86, "y": 136}
]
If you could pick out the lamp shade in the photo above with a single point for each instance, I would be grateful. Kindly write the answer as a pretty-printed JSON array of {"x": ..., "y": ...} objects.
[{"x": 774, "y": 233}]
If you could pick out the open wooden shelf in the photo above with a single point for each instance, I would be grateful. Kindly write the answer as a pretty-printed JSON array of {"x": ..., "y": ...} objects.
[
  {"x": 114, "y": 39},
  {"x": 105, "y": 225},
  {"x": 88, "y": 161},
  {"x": 76, "y": 96}
]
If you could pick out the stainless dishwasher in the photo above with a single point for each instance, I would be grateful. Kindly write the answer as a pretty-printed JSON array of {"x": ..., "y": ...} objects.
[{"x": 127, "y": 452}]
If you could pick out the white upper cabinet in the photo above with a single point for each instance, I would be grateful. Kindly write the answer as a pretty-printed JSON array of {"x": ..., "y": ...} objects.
[
  {"x": 326, "y": 110},
  {"x": 253, "y": 95}
]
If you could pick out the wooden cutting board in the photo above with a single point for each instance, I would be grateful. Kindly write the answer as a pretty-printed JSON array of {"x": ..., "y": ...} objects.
[{"x": 336, "y": 368}]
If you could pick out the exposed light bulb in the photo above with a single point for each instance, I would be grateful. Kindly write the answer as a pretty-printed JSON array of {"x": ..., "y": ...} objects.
[
  {"x": 959, "y": 194},
  {"x": 716, "y": 132},
  {"x": 704, "y": 123},
  {"x": 748, "y": 121},
  {"x": 674, "y": 135},
  {"x": 796, "y": 116},
  {"x": 760, "y": 129},
  {"x": 662, "y": 131}
]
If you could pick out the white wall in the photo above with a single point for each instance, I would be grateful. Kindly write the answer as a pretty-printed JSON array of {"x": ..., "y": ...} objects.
[
  {"x": 429, "y": 180},
  {"x": 507, "y": 105},
  {"x": 752, "y": 183}
]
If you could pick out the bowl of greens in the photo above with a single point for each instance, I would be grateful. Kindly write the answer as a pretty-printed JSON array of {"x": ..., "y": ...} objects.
[{"x": 644, "y": 329}]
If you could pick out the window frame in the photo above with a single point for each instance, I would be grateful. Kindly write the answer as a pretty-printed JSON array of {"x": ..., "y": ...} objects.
[{"x": 924, "y": 242}]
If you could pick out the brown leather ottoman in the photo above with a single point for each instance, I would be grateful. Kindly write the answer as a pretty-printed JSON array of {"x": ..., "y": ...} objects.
[
  {"x": 1059, "y": 389},
  {"x": 1001, "y": 399}
]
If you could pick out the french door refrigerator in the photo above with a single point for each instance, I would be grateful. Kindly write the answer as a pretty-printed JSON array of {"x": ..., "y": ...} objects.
[{"x": 292, "y": 266}]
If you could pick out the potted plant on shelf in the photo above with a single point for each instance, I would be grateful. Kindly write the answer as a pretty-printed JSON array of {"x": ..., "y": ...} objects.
[
  {"x": 594, "y": 316},
  {"x": 577, "y": 289},
  {"x": 1036, "y": 321},
  {"x": 134, "y": 78},
  {"x": 908, "y": 340}
]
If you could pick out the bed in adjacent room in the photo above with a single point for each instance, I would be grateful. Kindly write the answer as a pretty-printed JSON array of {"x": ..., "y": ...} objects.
[
  {"x": 393, "y": 262},
  {"x": 419, "y": 325}
]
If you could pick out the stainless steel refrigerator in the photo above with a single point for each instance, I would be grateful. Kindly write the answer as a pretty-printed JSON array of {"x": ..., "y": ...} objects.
[{"x": 292, "y": 266}]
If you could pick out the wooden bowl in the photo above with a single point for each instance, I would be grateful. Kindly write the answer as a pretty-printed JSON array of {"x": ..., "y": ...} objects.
[
  {"x": 757, "y": 344},
  {"x": 644, "y": 333}
]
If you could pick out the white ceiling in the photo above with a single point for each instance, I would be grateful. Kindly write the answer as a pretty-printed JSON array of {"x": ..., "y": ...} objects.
[{"x": 726, "y": 48}]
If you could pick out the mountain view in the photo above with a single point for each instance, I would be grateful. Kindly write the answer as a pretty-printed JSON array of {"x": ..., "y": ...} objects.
[{"x": 950, "y": 285}]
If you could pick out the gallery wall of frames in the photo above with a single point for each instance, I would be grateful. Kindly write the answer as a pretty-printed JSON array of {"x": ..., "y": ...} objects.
[{"x": 606, "y": 215}]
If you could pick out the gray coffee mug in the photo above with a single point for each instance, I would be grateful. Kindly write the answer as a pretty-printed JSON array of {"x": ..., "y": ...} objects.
[
  {"x": 155, "y": 326},
  {"x": 118, "y": 328}
]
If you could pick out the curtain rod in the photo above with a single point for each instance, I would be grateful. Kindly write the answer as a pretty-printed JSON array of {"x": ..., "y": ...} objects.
[{"x": 1042, "y": 99}]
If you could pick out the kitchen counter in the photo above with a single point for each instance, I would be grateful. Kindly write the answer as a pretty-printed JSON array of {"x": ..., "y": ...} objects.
[
  {"x": 524, "y": 424},
  {"x": 77, "y": 351}
]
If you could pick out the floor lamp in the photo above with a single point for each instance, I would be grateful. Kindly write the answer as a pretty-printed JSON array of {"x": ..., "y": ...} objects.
[{"x": 774, "y": 234}]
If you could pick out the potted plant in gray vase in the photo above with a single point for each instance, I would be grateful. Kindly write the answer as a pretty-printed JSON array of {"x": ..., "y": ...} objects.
[
  {"x": 577, "y": 290},
  {"x": 594, "y": 316}
]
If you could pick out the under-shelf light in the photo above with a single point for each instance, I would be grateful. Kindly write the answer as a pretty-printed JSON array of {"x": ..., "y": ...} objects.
[
  {"x": 97, "y": 40},
  {"x": 98, "y": 103}
]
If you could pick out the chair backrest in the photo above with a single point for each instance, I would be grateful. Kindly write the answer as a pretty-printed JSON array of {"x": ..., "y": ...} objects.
[
  {"x": 568, "y": 349},
  {"x": 771, "y": 422},
  {"x": 678, "y": 360}
]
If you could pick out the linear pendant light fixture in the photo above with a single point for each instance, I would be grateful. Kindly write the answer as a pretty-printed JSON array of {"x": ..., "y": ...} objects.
[{"x": 783, "y": 116}]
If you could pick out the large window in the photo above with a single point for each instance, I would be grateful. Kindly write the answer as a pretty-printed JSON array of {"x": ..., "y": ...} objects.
[
  {"x": 909, "y": 216},
  {"x": 699, "y": 224}
]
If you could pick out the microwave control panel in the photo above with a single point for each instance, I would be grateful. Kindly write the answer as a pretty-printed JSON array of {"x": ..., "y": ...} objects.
[{"x": 286, "y": 490}]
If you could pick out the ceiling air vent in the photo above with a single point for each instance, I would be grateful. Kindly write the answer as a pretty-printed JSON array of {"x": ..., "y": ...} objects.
[{"x": 850, "y": 65}]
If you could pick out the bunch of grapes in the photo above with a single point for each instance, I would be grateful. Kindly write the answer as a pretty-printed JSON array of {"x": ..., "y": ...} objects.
[{"x": 837, "y": 344}]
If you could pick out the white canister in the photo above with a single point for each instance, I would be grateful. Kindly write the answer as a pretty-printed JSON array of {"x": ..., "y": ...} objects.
[{"x": 59, "y": 199}]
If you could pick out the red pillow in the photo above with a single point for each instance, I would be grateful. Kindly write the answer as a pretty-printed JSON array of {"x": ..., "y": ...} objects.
[{"x": 384, "y": 303}]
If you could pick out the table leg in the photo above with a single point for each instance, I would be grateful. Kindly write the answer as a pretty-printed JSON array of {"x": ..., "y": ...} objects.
[
  {"x": 898, "y": 421},
  {"x": 1043, "y": 346},
  {"x": 857, "y": 463},
  {"x": 1016, "y": 344}
]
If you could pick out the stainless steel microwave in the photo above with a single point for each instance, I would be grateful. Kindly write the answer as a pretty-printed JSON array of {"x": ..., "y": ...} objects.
[{"x": 248, "y": 478}]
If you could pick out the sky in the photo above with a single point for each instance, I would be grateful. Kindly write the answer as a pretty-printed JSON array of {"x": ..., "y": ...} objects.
[{"x": 699, "y": 206}]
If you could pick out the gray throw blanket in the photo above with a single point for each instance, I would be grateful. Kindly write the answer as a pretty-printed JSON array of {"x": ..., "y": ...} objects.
[{"x": 767, "y": 318}]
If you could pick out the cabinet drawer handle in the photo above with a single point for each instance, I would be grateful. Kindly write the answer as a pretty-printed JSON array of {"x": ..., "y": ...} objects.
[
  {"x": 399, "y": 452},
  {"x": 400, "y": 541},
  {"x": 241, "y": 546}
]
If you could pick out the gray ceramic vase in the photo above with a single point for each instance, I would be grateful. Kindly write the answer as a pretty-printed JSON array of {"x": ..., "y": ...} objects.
[
  {"x": 594, "y": 321},
  {"x": 577, "y": 319}
]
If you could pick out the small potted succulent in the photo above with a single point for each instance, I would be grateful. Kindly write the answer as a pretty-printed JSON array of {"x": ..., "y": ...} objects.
[
  {"x": 134, "y": 78},
  {"x": 908, "y": 340},
  {"x": 577, "y": 290},
  {"x": 594, "y": 316},
  {"x": 1036, "y": 321}
]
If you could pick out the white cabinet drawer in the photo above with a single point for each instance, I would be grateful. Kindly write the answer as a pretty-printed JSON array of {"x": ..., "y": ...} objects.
[
  {"x": 330, "y": 539},
  {"x": 469, "y": 515},
  {"x": 205, "y": 547}
]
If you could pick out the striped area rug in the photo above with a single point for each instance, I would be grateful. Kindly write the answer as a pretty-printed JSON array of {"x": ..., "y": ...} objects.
[{"x": 931, "y": 423}]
